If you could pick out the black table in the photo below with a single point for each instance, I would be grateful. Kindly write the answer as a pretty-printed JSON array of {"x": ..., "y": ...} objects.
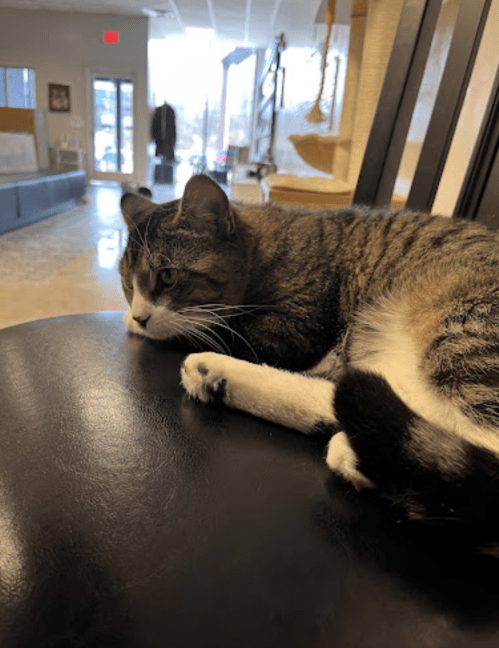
[{"x": 132, "y": 516}]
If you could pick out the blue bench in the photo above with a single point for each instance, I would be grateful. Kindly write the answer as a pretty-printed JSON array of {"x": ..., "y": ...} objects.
[{"x": 29, "y": 198}]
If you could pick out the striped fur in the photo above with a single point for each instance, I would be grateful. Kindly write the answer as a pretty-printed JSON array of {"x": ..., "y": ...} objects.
[{"x": 381, "y": 327}]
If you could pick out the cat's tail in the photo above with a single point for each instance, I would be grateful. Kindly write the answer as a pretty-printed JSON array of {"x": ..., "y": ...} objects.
[{"x": 425, "y": 472}]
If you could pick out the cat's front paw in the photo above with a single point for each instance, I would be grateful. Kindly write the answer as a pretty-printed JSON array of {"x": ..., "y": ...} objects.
[{"x": 204, "y": 377}]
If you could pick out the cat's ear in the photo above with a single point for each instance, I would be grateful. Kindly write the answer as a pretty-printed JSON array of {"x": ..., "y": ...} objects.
[
  {"x": 205, "y": 202},
  {"x": 135, "y": 209}
]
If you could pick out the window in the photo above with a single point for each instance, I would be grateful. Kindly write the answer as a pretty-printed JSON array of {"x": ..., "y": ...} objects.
[{"x": 17, "y": 87}]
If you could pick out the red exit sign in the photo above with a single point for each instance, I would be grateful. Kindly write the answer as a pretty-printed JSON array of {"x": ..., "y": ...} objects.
[{"x": 111, "y": 37}]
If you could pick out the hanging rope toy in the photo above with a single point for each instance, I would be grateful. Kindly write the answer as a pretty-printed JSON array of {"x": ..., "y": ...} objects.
[{"x": 315, "y": 115}]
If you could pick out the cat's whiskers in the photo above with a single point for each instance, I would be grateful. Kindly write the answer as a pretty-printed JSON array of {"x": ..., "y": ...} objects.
[
  {"x": 142, "y": 243},
  {"x": 206, "y": 323},
  {"x": 220, "y": 348},
  {"x": 204, "y": 333},
  {"x": 207, "y": 340},
  {"x": 179, "y": 330},
  {"x": 146, "y": 234},
  {"x": 243, "y": 309},
  {"x": 208, "y": 331},
  {"x": 203, "y": 327},
  {"x": 191, "y": 338}
]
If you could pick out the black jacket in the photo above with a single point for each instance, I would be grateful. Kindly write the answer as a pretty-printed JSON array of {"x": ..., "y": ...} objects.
[{"x": 163, "y": 131}]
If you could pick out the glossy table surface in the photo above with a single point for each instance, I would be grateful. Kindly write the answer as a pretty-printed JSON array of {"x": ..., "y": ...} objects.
[{"x": 131, "y": 516}]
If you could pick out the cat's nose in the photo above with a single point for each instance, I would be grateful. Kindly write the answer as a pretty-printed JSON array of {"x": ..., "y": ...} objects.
[{"x": 142, "y": 320}]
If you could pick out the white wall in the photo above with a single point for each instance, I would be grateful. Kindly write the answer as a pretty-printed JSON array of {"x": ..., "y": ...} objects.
[
  {"x": 474, "y": 106},
  {"x": 62, "y": 47},
  {"x": 470, "y": 120}
]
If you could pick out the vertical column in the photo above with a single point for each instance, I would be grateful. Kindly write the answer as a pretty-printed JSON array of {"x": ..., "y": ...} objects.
[
  {"x": 354, "y": 62},
  {"x": 381, "y": 27},
  {"x": 223, "y": 108}
]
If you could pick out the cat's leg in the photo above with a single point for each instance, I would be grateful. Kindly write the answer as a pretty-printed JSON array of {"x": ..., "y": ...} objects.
[
  {"x": 297, "y": 401},
  {"x": 342, "y": 459}
]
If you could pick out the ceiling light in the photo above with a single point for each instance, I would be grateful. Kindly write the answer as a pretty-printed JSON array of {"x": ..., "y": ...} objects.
[
  {"x": 204, "y": 35},
  {"x": 158, "y": 13}
]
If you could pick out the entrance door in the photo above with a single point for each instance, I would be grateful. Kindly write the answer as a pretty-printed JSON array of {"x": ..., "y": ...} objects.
[{"x": 112, "y": 133}]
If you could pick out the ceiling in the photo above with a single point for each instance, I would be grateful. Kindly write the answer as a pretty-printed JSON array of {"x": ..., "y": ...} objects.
[{"x": 244, "y": 22}]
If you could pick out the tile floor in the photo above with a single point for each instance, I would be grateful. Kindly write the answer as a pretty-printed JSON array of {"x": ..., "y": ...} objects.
[{"x": 68, "y": 263}]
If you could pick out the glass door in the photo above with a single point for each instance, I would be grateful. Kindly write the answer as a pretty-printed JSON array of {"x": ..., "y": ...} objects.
[{"x": 113, "y": 127}]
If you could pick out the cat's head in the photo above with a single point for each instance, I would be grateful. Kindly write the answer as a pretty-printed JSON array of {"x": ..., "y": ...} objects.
[{"x": 183, "y": 261}]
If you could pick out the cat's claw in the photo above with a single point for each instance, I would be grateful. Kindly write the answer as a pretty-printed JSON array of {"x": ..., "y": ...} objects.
[{"x": 203, "y": 377}]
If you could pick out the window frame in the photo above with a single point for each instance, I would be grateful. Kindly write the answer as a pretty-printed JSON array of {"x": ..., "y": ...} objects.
[{"x": 31, "y": 86}]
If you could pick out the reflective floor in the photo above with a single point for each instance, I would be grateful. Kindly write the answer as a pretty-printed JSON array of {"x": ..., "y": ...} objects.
[{"x": 68, "y": 263}]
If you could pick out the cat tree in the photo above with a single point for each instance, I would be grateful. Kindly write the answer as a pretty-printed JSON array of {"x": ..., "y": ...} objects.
[{"x": 372, "y": 30}]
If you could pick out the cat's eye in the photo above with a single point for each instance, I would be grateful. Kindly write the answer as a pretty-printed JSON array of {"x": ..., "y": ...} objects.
[
  {"x": 168, "y": 277},
  {"x": 127, "y": 283}
]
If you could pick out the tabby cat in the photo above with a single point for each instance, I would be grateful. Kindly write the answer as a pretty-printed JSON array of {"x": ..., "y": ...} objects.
[{"x": 380, "y": 329}]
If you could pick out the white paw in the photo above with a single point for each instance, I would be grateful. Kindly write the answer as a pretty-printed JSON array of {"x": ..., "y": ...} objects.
[
  {"x": 204, "y": 377},
  {"x": 342, "y": 459}
]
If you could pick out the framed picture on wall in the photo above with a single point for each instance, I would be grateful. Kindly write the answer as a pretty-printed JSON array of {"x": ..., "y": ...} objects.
[{"x": 59, "y": 98}]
